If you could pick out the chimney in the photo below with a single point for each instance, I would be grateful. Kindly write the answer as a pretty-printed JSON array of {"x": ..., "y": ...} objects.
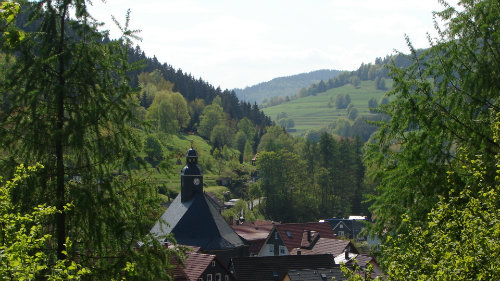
[
  {"x": 309, "y": 235},
  {"x": 346, "y": 254}
]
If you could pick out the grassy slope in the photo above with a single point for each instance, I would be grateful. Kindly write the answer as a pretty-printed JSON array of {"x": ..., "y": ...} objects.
[
  {"x": 177, "y": 146},
  {"x": 312, "y": 112}
]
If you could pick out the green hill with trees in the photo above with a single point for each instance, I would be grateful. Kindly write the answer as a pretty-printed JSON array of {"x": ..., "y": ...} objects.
[
  {"x": 326, "y": 110},
  {"x": 282, "y": 87},
  {"x": 94, "y": 134}
]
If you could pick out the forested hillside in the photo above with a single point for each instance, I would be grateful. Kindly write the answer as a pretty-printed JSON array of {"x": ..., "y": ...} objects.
[
  {"x": 344, "y": 105},
  {"x": 91, "y": 132},
  {"x": 194, "y": 89},
  {"x": 282, "y": 87}
]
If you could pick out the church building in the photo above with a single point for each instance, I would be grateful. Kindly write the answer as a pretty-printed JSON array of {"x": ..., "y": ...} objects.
[{"x": 194, "y": 220}]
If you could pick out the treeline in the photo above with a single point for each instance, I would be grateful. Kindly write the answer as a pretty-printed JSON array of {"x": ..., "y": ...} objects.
[
  {"x": 283, "y": 86},
  {"x": 377, "y": 72},
  {"x": 195, "y": 89},
  {"x": 309, "y": 180}
]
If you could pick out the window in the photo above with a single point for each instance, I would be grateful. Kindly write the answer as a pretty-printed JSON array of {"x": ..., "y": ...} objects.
[
  {"x": 270, "y": 248},
  {"x": 209, "y": 277},
  {"x": 289, "y": 234},
  {"x": 341, "y": 226},
  {"x": 200, "y": 279},
  {"x": 282, "y": 250},
  {"x": 218, "y": 277},
  {"x": 341, "y": 233},
  {"x": 226, "y": 278},
  {"x": 213, "y": 263},
  {"x": 276, "y": 235}
]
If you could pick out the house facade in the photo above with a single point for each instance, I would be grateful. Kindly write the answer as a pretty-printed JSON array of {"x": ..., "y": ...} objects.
[
  {"x": 273, "y": 245},
  {"x": 347, "y": 228}
]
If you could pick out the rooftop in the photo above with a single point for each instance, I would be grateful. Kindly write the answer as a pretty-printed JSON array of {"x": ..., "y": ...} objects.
[
  {"x": 320, "y": 274},
  {"x": 292, "y": 233},
  {"x": 333, "y": 247},
  {"x": 274, "y": 268}
]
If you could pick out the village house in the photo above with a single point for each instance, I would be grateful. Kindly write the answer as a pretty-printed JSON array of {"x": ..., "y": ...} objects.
[
  {"x": 254, "y": 234},
  {"x": 201, "y": 267},
  {"x": 349, "y": 228},
  {"x": 288, "y": 236}
]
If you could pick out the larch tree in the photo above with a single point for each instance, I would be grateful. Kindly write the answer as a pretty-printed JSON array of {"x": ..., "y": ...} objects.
[{"x": 68, "y": 106}]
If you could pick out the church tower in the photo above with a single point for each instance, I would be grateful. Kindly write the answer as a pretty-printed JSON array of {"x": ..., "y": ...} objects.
[
  {"x": 194, "y": 220},
  {"x": 191, "y": 177}
]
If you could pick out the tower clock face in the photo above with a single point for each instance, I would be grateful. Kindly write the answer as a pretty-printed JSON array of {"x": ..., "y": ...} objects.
[{"x": 196, "y": 181}]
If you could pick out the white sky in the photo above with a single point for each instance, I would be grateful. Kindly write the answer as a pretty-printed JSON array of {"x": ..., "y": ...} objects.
[{"x": 234, "y": 43}]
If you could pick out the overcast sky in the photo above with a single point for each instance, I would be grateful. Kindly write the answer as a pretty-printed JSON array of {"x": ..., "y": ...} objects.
[{"x": 234, "y": 44}]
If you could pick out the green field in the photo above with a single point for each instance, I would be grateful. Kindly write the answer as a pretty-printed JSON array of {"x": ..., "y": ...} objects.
[{"x": 312, "y": 112}]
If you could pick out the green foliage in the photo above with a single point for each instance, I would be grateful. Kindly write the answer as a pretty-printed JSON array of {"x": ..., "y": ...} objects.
[
  {"x": 329, "y": 173},
  {"x": 372, "y": 104},
  {"x": 352, "y": 114},
  {"x": 11, "y": 35},
  {"x": 459, "y": 238},
  {"x": 166, "y": 108},
  {"x": 221, "y": 136},
  {"x": 436, "y": 161},
  {"x": 439, "y": 106},
  {"x": 313, "y": 112},
  {"x": 380, "y": 84},
  {"x": 23, "y": 238},
  {"x": 153, "y": 149},
  {"x": 72, "y": 110},
  {"x": 356, "y": 273},
  {"x": 283, "y": 183},
  {"x": 275, "y": 139},
  {"x": 342, "y": 101},
  {"x": 286, "y": 123},
  {"x": 355, "y": 81},
  {"x": 212, "y": 116},
  {"x": 242, "y": 209}
]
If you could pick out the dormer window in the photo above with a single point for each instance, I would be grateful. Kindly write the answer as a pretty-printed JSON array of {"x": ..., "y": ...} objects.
[{"x": 289, "y": 234}]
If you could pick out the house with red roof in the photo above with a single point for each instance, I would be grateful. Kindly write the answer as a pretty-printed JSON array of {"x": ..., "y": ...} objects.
[
  {"x": 201, "y": 267},
  {"x": 288, "y": 236},
  {"x": 254, "y": 234},
  {"x": 333, "y": 247}
]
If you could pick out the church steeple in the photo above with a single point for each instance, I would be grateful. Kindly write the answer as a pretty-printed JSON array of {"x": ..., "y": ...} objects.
[{"x": 191, "y": 176}]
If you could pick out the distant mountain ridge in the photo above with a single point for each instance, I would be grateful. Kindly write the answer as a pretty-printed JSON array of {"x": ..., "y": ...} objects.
[{"x": 283, "y": 86}]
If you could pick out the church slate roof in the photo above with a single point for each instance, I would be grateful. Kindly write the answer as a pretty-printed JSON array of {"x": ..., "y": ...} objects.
[{"x": 197, "y": 222}]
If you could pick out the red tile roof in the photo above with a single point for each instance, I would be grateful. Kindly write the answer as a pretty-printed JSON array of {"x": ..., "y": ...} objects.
[
  {"x": 334, "y": 247},
  {"x": 194, "y": 266},
  {"x": 309, "y": 238},
  {"x": 256, "y": 233},
  {"x": 292, "y": 233}
]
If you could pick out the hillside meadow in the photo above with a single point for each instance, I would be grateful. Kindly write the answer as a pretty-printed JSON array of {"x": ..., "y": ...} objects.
[{"x": 313, "y": 112}]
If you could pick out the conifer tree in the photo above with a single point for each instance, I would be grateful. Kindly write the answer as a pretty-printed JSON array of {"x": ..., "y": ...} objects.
[
  {"x": 68, "y": 106},
  {"x": 441, "y": 105}
]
